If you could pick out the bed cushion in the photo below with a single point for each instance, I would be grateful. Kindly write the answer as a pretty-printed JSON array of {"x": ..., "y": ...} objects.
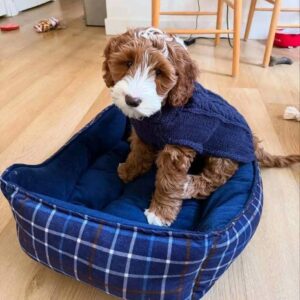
[{"x": 76, "y": 216}]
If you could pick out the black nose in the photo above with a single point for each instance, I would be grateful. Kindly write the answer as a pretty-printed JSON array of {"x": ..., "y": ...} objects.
[{"x": 132, "y": 101}]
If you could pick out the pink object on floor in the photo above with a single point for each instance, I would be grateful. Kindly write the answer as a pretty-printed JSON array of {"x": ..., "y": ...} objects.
[{"x": 9, "y": 27}]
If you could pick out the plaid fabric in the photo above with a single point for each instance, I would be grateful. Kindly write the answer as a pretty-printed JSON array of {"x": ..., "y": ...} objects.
[{"x": 126, "y": 261}]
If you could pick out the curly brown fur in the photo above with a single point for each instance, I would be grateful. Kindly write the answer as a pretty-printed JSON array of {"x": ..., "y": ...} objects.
[
  {"x": 187, "y": 72},
  {"x": 176, "y": 77},
  {"x": 216, "y": 172},
  {"x": 268, "y": 160},
  {"x": 174, "y": 80},
  {"x": 173, "y": 163},
  {"x": 139, "y": 160}
]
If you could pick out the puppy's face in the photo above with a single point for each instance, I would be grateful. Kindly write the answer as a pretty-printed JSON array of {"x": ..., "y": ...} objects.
[
  {"x": 142, "y": 70},
  {"x": 143, "y": 77}
]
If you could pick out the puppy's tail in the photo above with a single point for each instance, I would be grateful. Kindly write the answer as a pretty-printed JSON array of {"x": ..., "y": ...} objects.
[{"x": 268, "y": 160}]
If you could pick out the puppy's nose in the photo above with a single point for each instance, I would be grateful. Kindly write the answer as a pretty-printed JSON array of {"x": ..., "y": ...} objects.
[{"x": 132, "y": 101}]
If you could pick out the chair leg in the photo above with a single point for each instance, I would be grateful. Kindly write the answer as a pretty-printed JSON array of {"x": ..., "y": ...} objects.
[
  {"x": 236, "y": 37},
  {"x": 219, "y": 20},
  {"x": 155, "y": 12},
  {"x": 250, "y": 18},
  {"x": 272, "y": 30}
]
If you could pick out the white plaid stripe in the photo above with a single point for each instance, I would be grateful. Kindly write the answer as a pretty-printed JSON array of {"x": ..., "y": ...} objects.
[
  {"x": 111, "y": 253},
  {"x": 200, "y": 266},
  {"x": 163, "y": 284},
  {"x": 78, "y": 242},
  {"x": 237, "y": 243},
  {"x": 13, "y": 199},
  {"x": 226, "y": 265},
  {"x": 127, "y": 267},
  {"x": 189, "y": 297},
  {"x": 13, "y": 196},
  {"x": 12, "y": 203},
  {"x": 107, "y": 250},
  {"x": 46, "y": 237},
  {"x": 244, "y": 228},
  {"x": 204, "y": 255},
  {"x": 257, "y": 206},
  {"x": 221, "y": 260},
  {"x": 32, "y": 228},
  {"x": 141, "y": 257},
  {"x": 102, "y": 269},
  {"x": 205, "y": 236},
  {"x": 148, "y": 265},
  {"x": 62, "y": 242},
  {"x": 248, "y": 225},
  {"x": 44, "y": 263},
  {"x": 234, "y": 250}
]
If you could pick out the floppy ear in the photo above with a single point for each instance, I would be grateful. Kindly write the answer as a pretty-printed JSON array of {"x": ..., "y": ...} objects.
[
  {"x": 105, "y": 67},
  {"x": 186, "y": 71},
  {"x": 114, "y": 45}
]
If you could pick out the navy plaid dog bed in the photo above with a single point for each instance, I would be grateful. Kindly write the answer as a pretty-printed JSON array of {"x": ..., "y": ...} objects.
[{"x": 75, "y": 216}]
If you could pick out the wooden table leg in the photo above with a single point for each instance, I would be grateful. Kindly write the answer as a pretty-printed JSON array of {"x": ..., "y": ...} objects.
[
  {"x": 250, "y": 18},
  {"x": 155, "y": 12},
  {"x": 272, "y": 30},
  {"x": 236, "y": 37},
  {"x": 219, "y": 20}
]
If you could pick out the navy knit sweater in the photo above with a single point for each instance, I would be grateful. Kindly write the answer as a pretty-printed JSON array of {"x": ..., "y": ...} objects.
[{"x": 207, "y": 124}]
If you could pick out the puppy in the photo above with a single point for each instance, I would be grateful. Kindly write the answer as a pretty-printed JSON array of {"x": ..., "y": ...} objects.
[{"x": 174, "y": 118}]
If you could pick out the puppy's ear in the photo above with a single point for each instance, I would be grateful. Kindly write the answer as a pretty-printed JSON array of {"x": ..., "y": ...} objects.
[
  {"x": 114, "y": 45},
  {"x": 186, "y": 71},
  {"x": 109, "y": 49}
]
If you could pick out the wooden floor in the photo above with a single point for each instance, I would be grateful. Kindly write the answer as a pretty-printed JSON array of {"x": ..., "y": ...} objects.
[{"x": 51, "y": 85}]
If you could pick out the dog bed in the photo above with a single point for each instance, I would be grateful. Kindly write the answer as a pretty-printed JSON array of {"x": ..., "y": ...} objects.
[{"x": 74, "y": 215}]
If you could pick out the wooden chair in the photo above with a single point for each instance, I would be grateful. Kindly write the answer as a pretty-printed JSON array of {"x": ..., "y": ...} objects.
[
  {"x": 236, "y": 5},
  {"x": 276, "y": 9}
]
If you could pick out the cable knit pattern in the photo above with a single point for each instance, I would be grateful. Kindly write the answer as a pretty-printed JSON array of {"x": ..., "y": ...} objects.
[{"x": 207, "y": 123}]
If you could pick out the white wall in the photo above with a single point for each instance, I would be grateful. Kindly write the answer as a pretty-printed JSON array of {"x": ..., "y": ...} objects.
[
  {"x": 122, "y": 14},
  {"x": 13, "y": 7},
  {"x": 2, "y": 8}
]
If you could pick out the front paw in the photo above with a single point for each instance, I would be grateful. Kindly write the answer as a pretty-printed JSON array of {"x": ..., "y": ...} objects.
[
  {"x": 125, "y": 172},
  {"x": 154, "y": 219}
]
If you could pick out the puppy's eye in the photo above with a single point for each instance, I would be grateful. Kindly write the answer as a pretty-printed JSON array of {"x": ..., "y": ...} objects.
[
  {"x": 129, "y": 63},
  {"x": 158, "y": 72}
]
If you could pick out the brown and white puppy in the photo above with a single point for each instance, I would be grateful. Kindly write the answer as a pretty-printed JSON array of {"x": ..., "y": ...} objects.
[{"x": 146, "y": 69}]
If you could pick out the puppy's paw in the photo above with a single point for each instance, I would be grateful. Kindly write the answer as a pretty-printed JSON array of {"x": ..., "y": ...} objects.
[
  {"x": 154, "y": 219},
  {"x": 125, "y": 172}
]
